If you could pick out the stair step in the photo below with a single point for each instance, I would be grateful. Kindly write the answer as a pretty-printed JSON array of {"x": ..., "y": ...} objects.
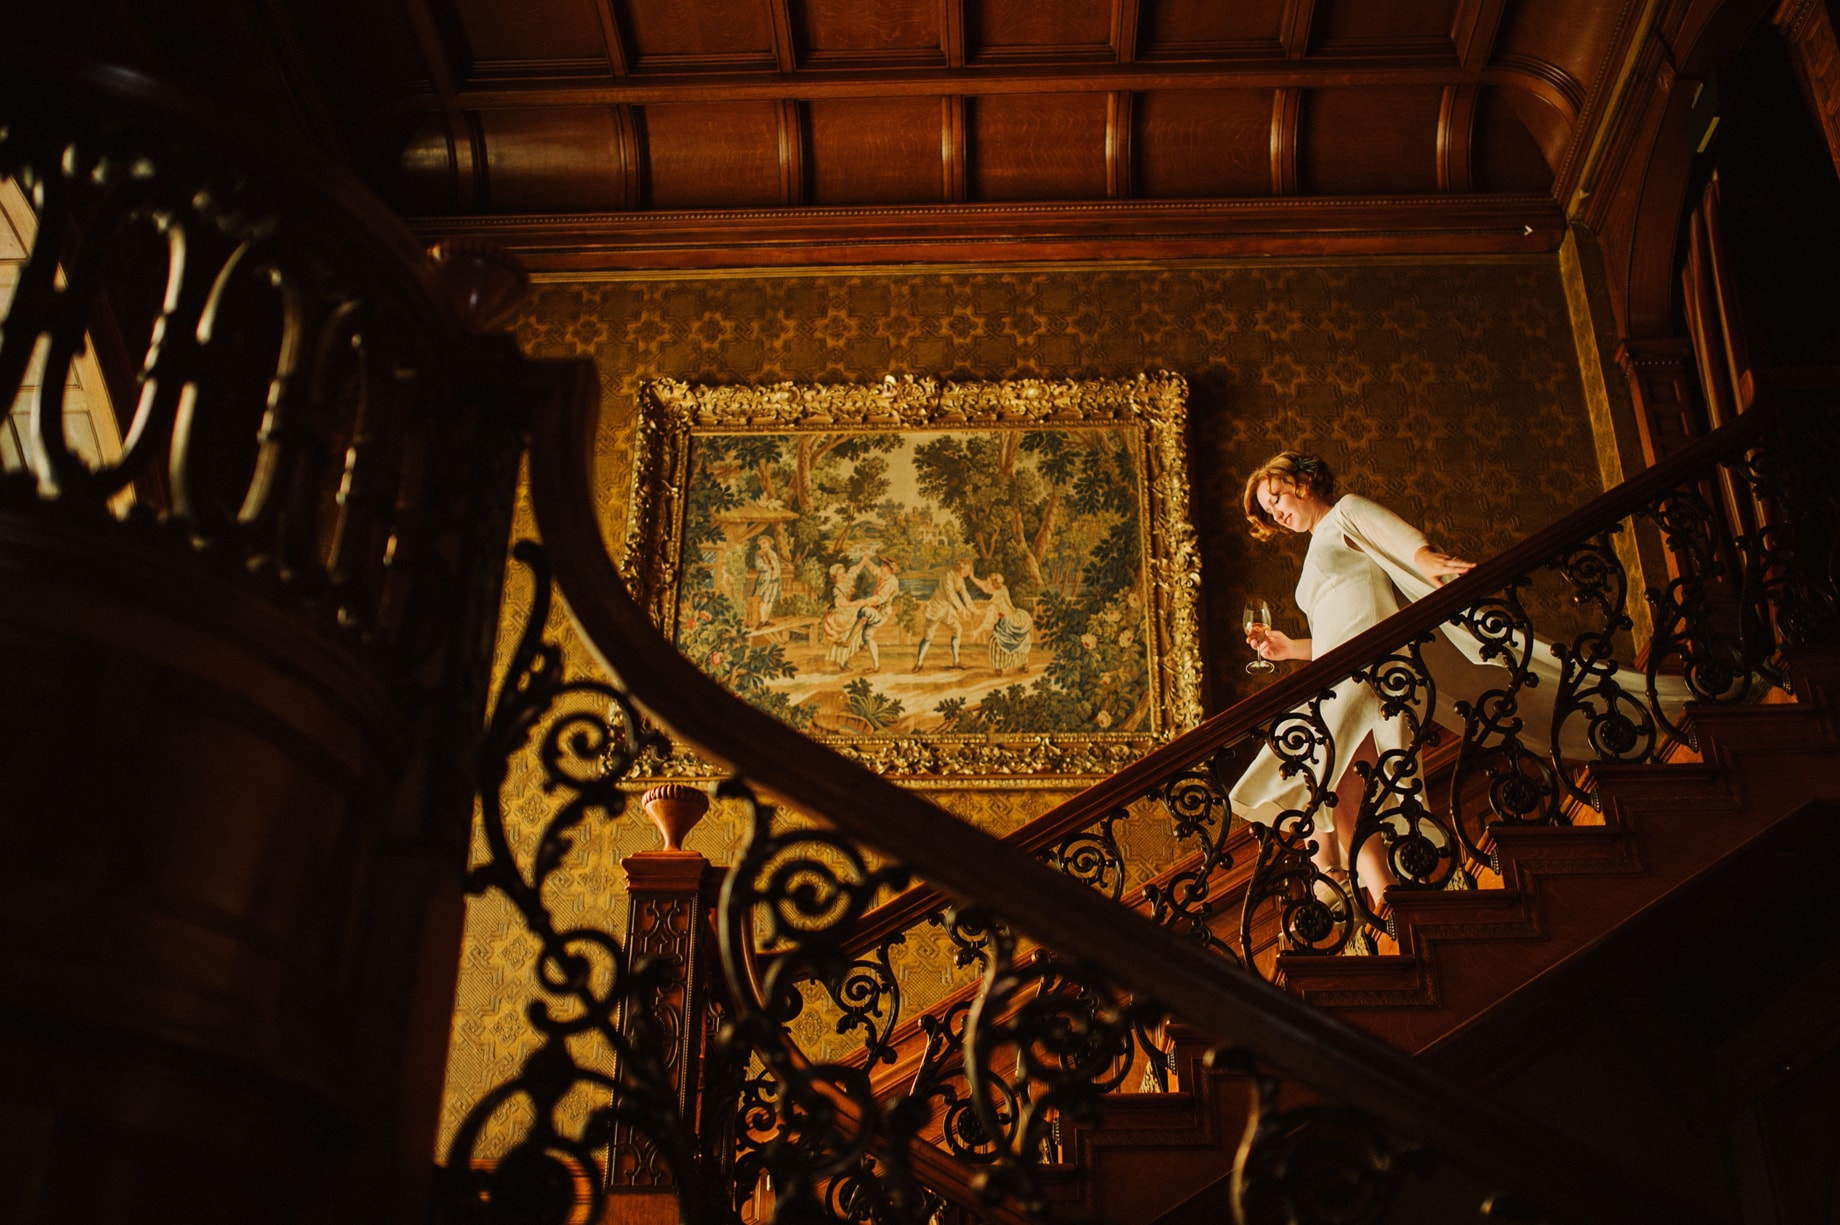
[{"x": 1480, "y": 975}]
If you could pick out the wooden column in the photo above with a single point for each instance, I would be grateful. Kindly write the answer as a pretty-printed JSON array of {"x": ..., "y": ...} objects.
[
  {"x": 671, "y": 896},
  {"x": 1661, "y": 379}
]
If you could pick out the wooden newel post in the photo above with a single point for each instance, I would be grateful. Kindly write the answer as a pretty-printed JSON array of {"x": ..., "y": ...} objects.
[{"x": 671, "y": 894}]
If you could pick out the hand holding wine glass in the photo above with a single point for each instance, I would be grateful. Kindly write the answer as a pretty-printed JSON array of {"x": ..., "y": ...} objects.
[{"x": 1257, "y": 620}]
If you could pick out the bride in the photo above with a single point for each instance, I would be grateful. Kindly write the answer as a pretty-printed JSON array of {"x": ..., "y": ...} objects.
[{"x": 1363, "y": 562}]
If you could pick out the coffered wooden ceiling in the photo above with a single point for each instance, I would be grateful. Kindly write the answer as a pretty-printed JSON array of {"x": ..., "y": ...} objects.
[{"x": 682, "y": 132}]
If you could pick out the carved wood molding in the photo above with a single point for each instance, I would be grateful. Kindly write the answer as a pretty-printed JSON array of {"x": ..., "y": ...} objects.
[{"x": 1134, "y": 229}]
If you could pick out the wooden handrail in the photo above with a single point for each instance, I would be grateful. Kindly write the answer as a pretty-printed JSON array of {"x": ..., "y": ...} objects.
[
  {"x": 1144, "y": 775},
  {"x": 1329, "y": 1055}
]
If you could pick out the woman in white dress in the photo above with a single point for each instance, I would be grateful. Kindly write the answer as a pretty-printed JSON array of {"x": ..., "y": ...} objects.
[
  {"x": 1362, "y": 564},
  {"x": 1362, "y": 558}
]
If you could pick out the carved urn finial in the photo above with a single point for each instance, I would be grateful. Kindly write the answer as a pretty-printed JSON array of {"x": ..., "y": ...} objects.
[
  {"x": 486, "y": 281},
  {"x": 675, "y": 808}
]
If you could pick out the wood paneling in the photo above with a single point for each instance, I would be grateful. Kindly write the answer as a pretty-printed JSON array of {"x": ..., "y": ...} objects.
[
  {"x": 675, "y": 34},
  {"x": 984, "y": 103},
  {"x": 562, "y": 32},
  {"x": 563, "y": 160},
  {"x": 1044, "y": 147},
  {"x": 714, "y": 154},
  {"x": 998, "y": 29},
  {"x": 1397, "y": 26},
  {"x": 1169, "y": 28},
  {"x": 1503, "y": 154},
  {"x": 833, "y": 30},
  {"x": 1199, "y": 144},
  {"x": 1570, "y": 38},
  {"x": 1363, "y": 141},
  {"x": 875, "y": 150}
]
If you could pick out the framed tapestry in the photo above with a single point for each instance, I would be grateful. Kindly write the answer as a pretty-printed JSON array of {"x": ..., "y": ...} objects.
[{"x": 948, "y": 582}]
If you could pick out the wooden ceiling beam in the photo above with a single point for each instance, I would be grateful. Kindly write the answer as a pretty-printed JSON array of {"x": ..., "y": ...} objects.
[
  {"x": 953, "y": 154},
  {"x": 1474, "y": 29},
  {"x": 933, "y": 234},
  {"x": 792, "y": 175},
  {"x": 1456, "y": 138},
  {"x": 952, "y": 32},
  {"x": 1119, "y": 183},
  {"x": 1124, "y": 29},
  {"x": 614, "y": 37},
  {"x": 1294, "y": 27},
  {"x": 785, "y": 48},
  {"x": 1286, "y": 107},
  {"x": 806, "y": 84},
  {"x": 438, "y": 47}
]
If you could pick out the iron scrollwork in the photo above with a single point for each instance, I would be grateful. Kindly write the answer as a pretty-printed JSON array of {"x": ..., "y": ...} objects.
[
  {"x": 1315, "y": 912},
  {"x": 1420, "y": 849},
  {"x": 1617, "y": 726},
  {"x": 1196, "y": 801},
  {"x": 583, "y": 975},
  {"x": 1686, "y": 607},
  {"x": 1523, "y": 785},
  {"x": 1312, "y": 1164},
  {"x": 1092, "y": 856},
  {"x": 1044, "y": 1042},
  {"x": 817, "y": 1131}
]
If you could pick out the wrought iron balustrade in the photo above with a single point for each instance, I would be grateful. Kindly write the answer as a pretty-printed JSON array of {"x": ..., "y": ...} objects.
[
  {"x": 1068, "y": 978},
  {"x": 1750, "y": 567}
]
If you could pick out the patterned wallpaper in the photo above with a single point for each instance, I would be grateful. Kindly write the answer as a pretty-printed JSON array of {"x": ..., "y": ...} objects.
[{"x": 1447, "y": 391}]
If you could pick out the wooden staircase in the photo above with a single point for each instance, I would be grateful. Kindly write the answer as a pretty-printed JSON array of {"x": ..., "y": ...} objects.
[{"x": 1701, "y": 874}]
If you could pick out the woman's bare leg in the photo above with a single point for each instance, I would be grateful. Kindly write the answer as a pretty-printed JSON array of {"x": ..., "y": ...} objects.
[{"x": 1373, "y": 871}]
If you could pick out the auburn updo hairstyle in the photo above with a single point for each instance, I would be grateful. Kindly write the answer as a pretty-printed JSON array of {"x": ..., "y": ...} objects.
[{"x": 1295, "y": 470}]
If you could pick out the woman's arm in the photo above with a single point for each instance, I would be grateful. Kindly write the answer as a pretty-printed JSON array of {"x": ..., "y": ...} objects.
[{"x": 1398, "y": 538}]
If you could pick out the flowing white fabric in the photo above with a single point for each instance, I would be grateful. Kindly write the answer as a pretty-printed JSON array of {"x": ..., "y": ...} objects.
[{"x": 1357, "y": 572}]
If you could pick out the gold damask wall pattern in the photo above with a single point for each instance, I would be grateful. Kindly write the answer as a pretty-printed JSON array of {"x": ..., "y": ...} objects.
[{"x": 1447, "y": 391}]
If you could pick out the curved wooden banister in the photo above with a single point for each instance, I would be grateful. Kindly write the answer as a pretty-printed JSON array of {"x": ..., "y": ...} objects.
[
  {"x": 1315, "y": 1048},
  {"x": 1141, "y": 777}
]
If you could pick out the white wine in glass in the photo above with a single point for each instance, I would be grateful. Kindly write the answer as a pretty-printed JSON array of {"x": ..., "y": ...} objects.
[{"x": 1257, "y": 620}]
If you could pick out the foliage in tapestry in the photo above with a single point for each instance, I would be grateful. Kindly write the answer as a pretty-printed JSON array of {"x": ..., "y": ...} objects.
[{"x": 924, "y": 581}]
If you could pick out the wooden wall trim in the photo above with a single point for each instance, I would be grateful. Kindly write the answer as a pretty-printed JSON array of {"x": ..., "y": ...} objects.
[
  {"x": 1607, "y": 90},
  {"x": 1295, "y": 226},
  {"x": 890, "y": 82},
  {"x": 1547, "y": 82}
]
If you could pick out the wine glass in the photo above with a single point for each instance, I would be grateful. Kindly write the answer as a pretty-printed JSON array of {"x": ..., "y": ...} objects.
[{"x": 1257, "y": 619}]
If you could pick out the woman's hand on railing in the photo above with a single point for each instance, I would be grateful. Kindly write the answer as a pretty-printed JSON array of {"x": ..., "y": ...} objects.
[{"x": 1438, "y": 566}]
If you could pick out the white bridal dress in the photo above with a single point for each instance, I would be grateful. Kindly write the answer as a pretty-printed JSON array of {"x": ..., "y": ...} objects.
[{"x": 1358, "y": 568}]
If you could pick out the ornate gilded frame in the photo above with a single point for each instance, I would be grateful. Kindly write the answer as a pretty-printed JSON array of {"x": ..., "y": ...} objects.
[{"x": 1152, "y": 407}]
